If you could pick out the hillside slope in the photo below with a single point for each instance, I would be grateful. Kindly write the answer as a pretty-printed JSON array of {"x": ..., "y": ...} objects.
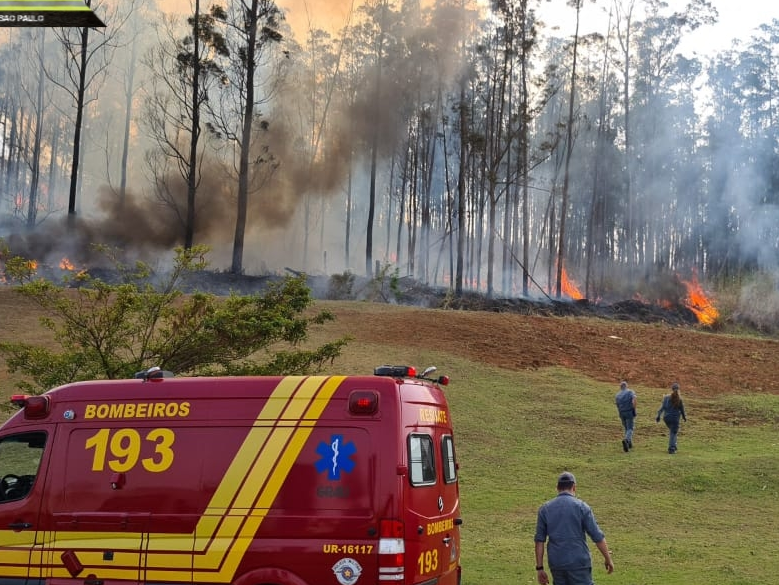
[{"x": 606, "y": 350}]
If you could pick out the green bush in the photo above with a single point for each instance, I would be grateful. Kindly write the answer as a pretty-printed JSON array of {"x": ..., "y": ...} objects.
[{"x": 110, "y": 331}]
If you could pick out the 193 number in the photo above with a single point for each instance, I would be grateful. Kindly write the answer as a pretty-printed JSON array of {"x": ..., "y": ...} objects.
[
  {"x": 121, "y": 449},
  {"x": 427, "y": 561}
]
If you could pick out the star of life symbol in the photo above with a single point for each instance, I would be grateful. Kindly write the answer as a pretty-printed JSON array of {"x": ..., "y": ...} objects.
[
  {"x": 335, "y": 457},
  {"x": 347, "y": 571}
]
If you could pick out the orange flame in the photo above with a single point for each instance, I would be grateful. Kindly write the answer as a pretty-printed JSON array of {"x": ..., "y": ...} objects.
[
  {"x": 66, "y": 264},
  {"x": 569, "y": 288},
  {"x": 697, "y": 301}
]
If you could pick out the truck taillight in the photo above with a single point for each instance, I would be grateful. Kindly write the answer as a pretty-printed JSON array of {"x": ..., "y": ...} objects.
[
  {"x": 363, "y": 402},
  {"x": 392, "y": 549}
]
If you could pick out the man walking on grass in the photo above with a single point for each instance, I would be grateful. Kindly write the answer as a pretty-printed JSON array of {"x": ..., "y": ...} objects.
[
  {"x": 626, "y": 406},
  {"x": 566, "y": 521}
]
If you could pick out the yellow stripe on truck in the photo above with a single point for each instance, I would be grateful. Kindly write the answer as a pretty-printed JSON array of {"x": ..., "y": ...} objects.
[
  {"x": 231, "y": 519},
  {"x": 324, "y": 388}
]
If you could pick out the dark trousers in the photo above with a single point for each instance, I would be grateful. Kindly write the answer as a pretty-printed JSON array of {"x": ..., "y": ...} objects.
[
  {"x": 673, "y": 432},
  {"x": 572, "y": 577}
]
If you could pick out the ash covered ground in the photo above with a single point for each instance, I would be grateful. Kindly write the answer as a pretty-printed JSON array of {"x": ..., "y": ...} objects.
[{"x": 408, "y": 291}]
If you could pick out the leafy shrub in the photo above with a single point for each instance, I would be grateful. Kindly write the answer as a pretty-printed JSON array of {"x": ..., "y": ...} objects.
[{"x": 110, "y": 331}]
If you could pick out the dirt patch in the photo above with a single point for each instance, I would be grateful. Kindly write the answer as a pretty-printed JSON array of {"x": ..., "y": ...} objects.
[{"x": 608, "y": 350}]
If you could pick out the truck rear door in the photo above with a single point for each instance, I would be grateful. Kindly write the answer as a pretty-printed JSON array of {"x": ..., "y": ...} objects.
[{"x": 433, "y": 502}]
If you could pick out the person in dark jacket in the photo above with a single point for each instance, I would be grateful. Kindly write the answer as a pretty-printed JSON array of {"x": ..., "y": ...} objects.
[
  {"x": 626, "y": 407},
  {"x": 565, "y": 522},
  {"x": 672, "y": 409}
]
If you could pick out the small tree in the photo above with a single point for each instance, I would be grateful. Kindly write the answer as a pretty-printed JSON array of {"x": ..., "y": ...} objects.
[{"x": 110, "y": 331}]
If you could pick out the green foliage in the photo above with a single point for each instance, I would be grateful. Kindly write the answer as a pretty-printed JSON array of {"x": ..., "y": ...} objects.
[
  {"x": 15, "y": 268},
  {"x": 449, "y": 298},
  {"x": 341, "y": 286},
  {"x": 114, "y": 330},
  {"x": 385, "y": 284},
  {"x": 383, "y": 287}
]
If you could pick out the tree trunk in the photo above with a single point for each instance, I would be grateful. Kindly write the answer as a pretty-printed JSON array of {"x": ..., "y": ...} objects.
[
  {"x": 524, "y": 154},
  {"x": 374, "y": 151},
  {"x": 54, "y": 170},
  {"x": 246, "y": 137},
  {"x": 80, "y": 93},
  {"x": 568, "y": 154},
  {"x": 461, "y": 192},
  {"x": 189, "y": 226},
  {"x": 32, "y": 207},
  {"x": 128, "y": 111}
]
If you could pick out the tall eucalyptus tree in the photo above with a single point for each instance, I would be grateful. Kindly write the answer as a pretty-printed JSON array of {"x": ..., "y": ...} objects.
[
  {"x": 743, "y": 148},
  {"x": 35, "y": 162},
  {"x": 382, "y": 22},
  {"x": 659, "y": 72},
  {"x": 577, "y": 5},
  {"x": 87, "y": 57},
  {"x": 252, "y": 29},
  {"x": 184, "y": 70}
]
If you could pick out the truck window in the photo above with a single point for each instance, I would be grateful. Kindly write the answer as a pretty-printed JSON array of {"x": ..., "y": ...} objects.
[
  {"x": 447, "y": 452},
  {"x": 421, "y": 459},
  {"x": 20, "y": 458}
]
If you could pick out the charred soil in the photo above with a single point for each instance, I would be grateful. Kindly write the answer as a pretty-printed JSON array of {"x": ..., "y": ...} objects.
[{"x": 654, "y": 354}]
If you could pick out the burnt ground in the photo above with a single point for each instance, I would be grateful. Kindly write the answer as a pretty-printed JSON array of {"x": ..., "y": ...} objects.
[
  {"x": 602, "y": 348},
  {"x": 406, "y": 291},
  {"x": 645, "y": 344},
  {"x": 654, "y": 355}
]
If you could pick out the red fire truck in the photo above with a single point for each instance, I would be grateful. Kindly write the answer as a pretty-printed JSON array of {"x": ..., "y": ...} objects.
[{"x": 293, "y": 480}]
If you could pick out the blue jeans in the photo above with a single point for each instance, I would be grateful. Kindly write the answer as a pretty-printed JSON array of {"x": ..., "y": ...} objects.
[
  {"x": 572, "y": 577},
  {"x": 673, "y": 432},
  {"x": 627, "y": 424}
]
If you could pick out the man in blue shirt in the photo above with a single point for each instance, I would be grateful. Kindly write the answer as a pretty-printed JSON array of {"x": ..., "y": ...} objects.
[
  {"x": 565, "y": 521},
  {"x": 626, "y": 406}
]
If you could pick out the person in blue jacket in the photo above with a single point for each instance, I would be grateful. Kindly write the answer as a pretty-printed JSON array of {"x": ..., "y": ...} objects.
[
  {"x": 626, "y": 407},
  {"x": 672, "y": 410},
  {"x": 565, "y": 522}
]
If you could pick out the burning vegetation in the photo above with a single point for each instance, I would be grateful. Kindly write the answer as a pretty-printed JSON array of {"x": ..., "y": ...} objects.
[
  {"x": 674, "y": 300},
  {"x": 697, "y": 301}
]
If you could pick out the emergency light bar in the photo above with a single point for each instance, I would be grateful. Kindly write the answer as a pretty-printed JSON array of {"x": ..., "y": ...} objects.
[
  {"x": 395, "y": 371},
  {"x": 154, "y": 373},
  {"x": 34, "y": 406},
  {"x": 410, "y": 372}
]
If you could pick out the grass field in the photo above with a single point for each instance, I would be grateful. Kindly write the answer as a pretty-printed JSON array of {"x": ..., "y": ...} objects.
[{"x": 704, "y": 516}]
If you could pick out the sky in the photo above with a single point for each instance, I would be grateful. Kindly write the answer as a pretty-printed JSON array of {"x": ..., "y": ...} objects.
[{"x": 738, "y": 18}]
